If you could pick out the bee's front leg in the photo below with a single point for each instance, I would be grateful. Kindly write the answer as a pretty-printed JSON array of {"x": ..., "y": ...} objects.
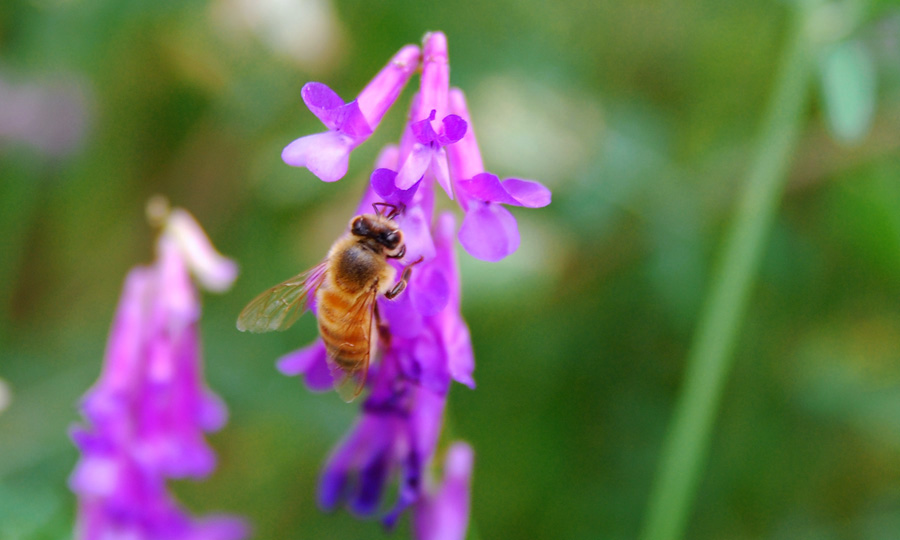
[{"x": 404, "y": 279}]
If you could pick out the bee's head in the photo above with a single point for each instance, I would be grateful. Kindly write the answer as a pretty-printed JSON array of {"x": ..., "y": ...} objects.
[{"x": 380, "y": 231}]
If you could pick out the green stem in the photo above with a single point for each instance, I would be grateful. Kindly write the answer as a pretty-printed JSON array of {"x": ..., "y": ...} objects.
[{"x": 710, "y": 356}]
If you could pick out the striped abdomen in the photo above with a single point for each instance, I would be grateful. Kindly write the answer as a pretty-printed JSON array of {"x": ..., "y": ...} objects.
[{"x": 345, "y": 328}]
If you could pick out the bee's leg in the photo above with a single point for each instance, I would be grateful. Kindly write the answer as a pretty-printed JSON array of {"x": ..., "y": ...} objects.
[
  {"x": 404, "y": 279},
  {"x": 384, "y": 332}
]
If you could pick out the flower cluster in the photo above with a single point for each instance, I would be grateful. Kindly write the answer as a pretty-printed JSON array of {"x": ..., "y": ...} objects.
[
  {"x": 148, "y": 412},
  {"x": 427, "y": 344}
]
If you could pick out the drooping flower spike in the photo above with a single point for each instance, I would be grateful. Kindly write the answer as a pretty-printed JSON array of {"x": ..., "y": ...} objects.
[
  {"x": 148, "y": 413},
  {"x": 349, "y": 124}
]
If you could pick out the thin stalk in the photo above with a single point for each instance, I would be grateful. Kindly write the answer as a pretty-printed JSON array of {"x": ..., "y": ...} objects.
[{"x": 710, "y": 357}]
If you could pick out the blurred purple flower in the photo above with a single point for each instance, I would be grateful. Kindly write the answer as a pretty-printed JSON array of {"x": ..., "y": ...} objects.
[
  {"x": 443, "y": 515},
  {"x": 425, "y": 343},
  {"x": 149, "y": 411},
  {"x": 349, "y": 124},
  {"x": 51, "y": 116}
]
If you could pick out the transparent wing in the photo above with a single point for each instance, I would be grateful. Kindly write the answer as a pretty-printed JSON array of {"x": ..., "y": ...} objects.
[
  {"x": 280, "y": 307},
  {"x": 360, "y": 317}
]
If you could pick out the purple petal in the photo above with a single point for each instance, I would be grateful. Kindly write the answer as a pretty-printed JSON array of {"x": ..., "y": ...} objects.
[
  {"x": 431, "y": 364},
  {"x": 414, "y": 167},
  {"x": 388, "y": 158},
  {"x": 454, "y": 130},
  {"x": 122, "y": 358},
  {"x": 353, "y": 123},
  {"x": 367, "y": 447},
  {"x": 427, "y": 419},
  {"x": 487, "y": 187},
  {"x": 220, "y": 527},
  {"x": 435, "y": 79},
  {"x": 372, "y": 480},
  {"x": 211, "y": 413},
  {"x": 326, "y": 154},
  {"x": 403, "y": 320},
  {"x": 464, "y": 155},
  {"x": 382, "y": 181},
  {"x": 312, "y": 362},
  {"x": 489, "y": 232},
  {"x": 429, "y": 290},
  {"x": 322, "y": 102},
  {"x": 529, "y": 193},
  {"x": 416, "y": 234},
  {"x": 378, "y": 96},
  {"x": 422, "y": 130},
  {"x": 445, "y": 515},
  {"x": 96, "y": 475},
  {"x": 405, "y": 196},
  {"x": 460, "y": 357}
]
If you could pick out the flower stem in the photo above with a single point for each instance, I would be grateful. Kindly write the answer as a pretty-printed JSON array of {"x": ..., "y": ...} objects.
[{"x": 710, "y": 356}]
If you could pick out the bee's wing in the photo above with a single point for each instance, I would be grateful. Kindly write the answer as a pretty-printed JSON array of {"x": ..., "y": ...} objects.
[
  {"x": 349, "y": 383},
  {"x": 280, "y": 307}
]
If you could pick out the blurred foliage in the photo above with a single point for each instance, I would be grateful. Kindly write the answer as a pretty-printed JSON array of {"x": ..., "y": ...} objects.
[{"x": 639, "y": 115}]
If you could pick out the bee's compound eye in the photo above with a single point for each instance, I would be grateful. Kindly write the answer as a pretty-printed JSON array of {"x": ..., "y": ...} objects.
[
  {"x": 391, "y": 239},
  {"x": 358, "y": 226}
]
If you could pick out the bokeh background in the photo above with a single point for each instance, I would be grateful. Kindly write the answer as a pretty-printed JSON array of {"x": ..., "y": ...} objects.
[{"x": 642, "y": 117}]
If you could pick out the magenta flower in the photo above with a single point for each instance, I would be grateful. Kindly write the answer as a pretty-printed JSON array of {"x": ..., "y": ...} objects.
[
  {"x": 349, "y": 124},
  {"x": 424, "y": 343},
  {"x": 489, "y": 232},
  {"x": 428, "y": 155},
  {"x": 424, "y": 145},
  {"x": 149, "y": 411}
]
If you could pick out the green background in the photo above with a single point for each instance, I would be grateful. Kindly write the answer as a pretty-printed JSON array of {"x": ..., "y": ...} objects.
[{"x": 642, "y": 117}]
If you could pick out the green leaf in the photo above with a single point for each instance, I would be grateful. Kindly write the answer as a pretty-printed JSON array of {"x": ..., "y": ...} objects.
[{"x": 848, "y": 90}]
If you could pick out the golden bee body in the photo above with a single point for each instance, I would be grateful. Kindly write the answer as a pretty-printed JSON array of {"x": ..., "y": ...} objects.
[
  {"x": 345, "y": 286},
  {"x": 353, "y": 273}
]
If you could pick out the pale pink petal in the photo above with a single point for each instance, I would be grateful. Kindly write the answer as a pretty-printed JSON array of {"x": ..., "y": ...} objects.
[
  {"x": 489, "y": 232},
  {"x": 415, "y": 166},
  {"x": 214, "y": 271},
  {"x": 528, "y": 193},
  {"x": 441, "y": 171},
  {"x": 326, "y": 155}
]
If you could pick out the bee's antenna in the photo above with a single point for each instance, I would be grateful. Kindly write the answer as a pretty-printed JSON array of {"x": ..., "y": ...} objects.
[{"x": 395, "y": 210}]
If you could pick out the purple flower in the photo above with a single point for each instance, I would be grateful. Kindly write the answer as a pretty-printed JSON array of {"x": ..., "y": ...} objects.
[
  {"x": 52, "y": 116},
  {"x": 444, "y": 515},
  {"x": 349, "y": 124},
  {"x": 489, "y": 232},
  {"x": 424, "y": 344},
  {"x": 426, "y": 154},
  {"x": 149, "y": 411}
]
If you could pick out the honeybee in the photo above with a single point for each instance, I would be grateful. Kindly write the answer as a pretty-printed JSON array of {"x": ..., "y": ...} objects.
[{"x": 345, "y": 286}]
